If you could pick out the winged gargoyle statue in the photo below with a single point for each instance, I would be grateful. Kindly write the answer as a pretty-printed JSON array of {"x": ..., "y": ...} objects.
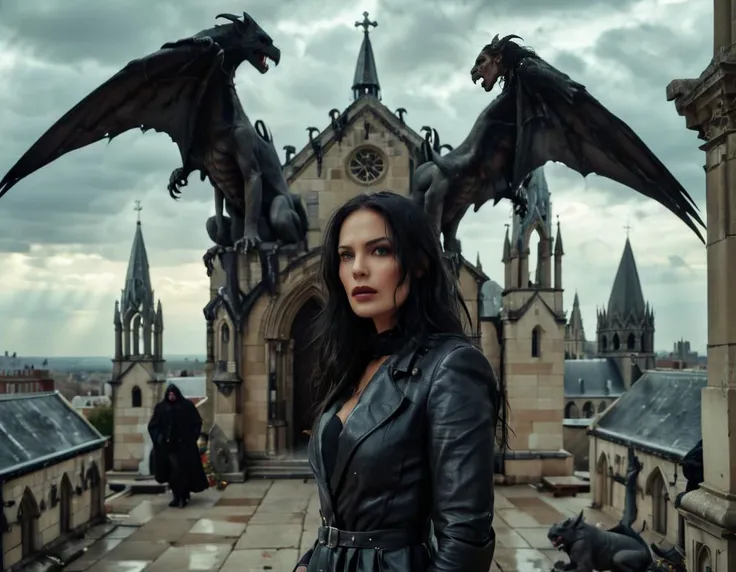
[
  {"x": 186, "y": 89},
  {"x": 541, "y": 115}
]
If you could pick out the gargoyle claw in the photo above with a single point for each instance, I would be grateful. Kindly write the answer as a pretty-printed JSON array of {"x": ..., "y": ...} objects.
[
  {"x": 249, "y": 241},
  {"x": 209, "y": 259},
  {"x": 177, "y": 179}
]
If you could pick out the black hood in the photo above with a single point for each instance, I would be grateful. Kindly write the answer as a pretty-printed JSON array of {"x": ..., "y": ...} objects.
[{"x": 176, "y": 390}]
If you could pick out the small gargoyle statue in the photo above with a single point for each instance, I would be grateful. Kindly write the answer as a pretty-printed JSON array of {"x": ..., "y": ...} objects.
[{"x": 593, "y": 549}]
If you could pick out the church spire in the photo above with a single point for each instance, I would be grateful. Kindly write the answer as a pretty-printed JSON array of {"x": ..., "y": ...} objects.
[
  {"x": 136, "y": 321},
  {"x": 138, "y": 292},
  {"x": 365, "y": 81}
]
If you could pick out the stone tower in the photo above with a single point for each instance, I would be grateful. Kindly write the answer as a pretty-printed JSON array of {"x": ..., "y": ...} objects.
[
  {"x": 138, "y": 363},
  {"x": 534, "y": 343},
  {"x": 706, "y": 103},
  {"x": 625, "y": 329},
  {"x": 575, "y": 341}
]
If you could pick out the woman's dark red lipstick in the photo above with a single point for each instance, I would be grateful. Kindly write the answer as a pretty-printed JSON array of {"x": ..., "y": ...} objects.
[{"x": 363, "y": 292}]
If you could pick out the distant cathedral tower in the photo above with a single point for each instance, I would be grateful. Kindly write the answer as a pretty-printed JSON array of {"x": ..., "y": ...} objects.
[
  {"x": 534, "y": 341},
  {"x": 625, "y": 330},
  {"x": 138, "y": 363},
  {"x": 575, "y": 342}
]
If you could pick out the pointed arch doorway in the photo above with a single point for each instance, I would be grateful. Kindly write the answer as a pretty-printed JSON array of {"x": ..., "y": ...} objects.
[{"x": 304, "y": 362}]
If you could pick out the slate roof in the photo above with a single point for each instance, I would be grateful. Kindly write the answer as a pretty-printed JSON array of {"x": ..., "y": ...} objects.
[
  {"x": 41, "y": 429},
  {"x": 592, "y": 378},
  {"x": 660, "y": 413}
]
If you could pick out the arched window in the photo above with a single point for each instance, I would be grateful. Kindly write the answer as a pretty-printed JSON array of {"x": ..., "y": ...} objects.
[
  {"x": 535, "y": 260},
  {"x": 644, "y": 347},
  {"x": 616, "y": 343},
  {"x": 602, "y": 407},
  {"x": 588, "y": 410},
  {"x": 631, "y": 342},
  {"x": 572, "y": 411},
  {"x": 136, "y": 397},
  {"x": 604, "y": 343},
  {"x": 95, "y": 487},
  {"x": 536, "y": 342},
  {"x": 28, "y": 515},
  {"x": 65, "y": 505},
  {"x": 658, "y": 490}
]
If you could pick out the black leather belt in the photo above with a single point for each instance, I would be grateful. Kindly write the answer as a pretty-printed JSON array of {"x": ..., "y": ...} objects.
[{"x": 391, "y": 539}]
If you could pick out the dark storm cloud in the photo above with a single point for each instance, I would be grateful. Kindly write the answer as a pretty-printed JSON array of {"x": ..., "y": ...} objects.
[
  {"x": 117, "y": 31},
  {"x": 652, "y": 53}
]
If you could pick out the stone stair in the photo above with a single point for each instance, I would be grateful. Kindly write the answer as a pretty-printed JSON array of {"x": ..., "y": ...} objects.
[{"x": 279, "y": 468}]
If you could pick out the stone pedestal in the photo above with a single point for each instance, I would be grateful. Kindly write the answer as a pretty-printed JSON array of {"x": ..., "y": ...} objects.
[{"x": 709, "y": 106}]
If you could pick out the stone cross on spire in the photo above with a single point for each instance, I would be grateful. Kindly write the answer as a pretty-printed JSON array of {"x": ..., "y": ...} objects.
[
  {"x": 366, "y": 23},
  {"x": 627, "y": 228},
  {"x": 138, "y": 208}
]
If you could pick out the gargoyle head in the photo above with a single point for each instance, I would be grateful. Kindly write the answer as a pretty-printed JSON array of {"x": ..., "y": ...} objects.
[
  {"x": 247, "y": 41},
  {"x": 488, "y": 65},
  {"x": 563, "y": 534}
]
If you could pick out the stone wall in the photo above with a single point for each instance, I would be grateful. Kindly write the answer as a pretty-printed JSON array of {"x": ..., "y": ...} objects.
[
  {"x": 85, "y": 508},
  {"x": 606, "y": 457},
  {"x": 132, "y": 444},
  {"x": 333, "y": 186},
  {"x": 534, "y": 388},
  {"x": 575, "y": 442}
]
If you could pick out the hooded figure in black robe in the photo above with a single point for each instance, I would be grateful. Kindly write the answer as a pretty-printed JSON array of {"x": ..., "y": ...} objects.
[{"x": 174, "y": 428}]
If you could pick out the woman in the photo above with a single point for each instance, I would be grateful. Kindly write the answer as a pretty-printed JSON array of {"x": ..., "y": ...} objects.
[{"x": 404, "y": 436}]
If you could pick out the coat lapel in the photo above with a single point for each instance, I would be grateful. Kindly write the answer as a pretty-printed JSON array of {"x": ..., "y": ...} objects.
[
  {"x": 315, "y": 457},
  {"x": 380, "y": 401}
]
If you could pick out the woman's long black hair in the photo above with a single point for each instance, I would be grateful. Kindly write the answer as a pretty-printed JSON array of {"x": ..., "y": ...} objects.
[{"x": 432, "y": 306}]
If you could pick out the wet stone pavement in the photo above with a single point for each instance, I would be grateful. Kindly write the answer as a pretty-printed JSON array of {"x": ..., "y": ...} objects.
[{"x": 267, "y": 525}]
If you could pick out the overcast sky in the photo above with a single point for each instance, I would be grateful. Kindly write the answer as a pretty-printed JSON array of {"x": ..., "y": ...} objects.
[{"x": 66, "y": 231}]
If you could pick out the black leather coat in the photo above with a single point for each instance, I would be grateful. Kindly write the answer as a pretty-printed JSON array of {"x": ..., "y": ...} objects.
[{"x": 417, "y": 448}]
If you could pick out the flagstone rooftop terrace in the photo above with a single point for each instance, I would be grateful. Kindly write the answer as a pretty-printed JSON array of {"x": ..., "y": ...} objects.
[{"x": 267, "y": 525}]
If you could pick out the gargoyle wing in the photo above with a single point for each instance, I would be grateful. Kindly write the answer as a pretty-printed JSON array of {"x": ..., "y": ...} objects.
[
  {"x": 161, "y": 91},
  {"x": 558, "y": 120}
]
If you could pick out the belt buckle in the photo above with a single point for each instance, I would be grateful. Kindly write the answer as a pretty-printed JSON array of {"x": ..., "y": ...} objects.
[{"x": 333, "y": 535}]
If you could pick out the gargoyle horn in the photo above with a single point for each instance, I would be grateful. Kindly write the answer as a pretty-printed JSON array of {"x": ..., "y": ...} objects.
[
  {"x": 428, "y": 134},
  {"x": 503, "y": 41},
  {"x": 436, "y": 140},
  {"x": 334, "y": 114},
  {"x": 579, "y": 519},
  {"x": 234, "y": 19},
  {"x": 263, "y": 131}
]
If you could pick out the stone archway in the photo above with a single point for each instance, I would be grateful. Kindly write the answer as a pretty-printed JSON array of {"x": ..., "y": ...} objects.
[
  {"x": 285, "y": 312},
  {"x": 304, "y": 362}
]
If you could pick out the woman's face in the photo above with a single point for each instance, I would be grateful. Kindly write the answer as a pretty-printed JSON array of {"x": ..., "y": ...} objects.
[{"x": 369, "y": 270}]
